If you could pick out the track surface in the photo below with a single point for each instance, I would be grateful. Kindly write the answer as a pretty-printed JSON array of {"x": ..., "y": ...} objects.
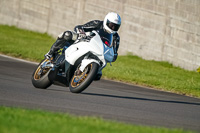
[{"x": 107, "y": 99}]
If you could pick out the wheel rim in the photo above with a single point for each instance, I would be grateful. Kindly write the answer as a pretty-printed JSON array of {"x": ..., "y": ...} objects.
[
  {"x": 79, "y": 76},
  {"x": 40, "y": 72}
]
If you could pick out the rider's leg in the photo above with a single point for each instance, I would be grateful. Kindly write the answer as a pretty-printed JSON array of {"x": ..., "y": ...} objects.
[{"x": 67, "y": 36}]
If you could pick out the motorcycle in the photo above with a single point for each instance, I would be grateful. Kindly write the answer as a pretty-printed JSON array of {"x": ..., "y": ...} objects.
[{"x": 78, "y": 65}]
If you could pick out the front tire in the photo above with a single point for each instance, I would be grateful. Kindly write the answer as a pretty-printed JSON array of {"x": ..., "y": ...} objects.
[
  {"x": 40, "y": 77},
  {"x": 81, "y": 80}
]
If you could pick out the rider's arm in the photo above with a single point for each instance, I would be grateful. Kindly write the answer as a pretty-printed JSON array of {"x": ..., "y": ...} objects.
[{"x": 92, "y": 25}]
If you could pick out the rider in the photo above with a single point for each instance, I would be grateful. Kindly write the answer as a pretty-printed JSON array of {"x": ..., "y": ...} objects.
[{"x": 111, "y": 24}]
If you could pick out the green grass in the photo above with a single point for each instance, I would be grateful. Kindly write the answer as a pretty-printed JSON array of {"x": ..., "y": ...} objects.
[
  {"x": 161, "y": 75},
  {"x": 24, "y": 44},
  {"x": 16, "y": 120}
]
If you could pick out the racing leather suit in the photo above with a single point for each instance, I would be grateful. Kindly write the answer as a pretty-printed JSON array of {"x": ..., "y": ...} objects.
[{"x": 68, "y": 37}]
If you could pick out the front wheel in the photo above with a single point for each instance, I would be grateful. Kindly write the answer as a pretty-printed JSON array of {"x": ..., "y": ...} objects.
[
  {"x": 81, "y": 80},
  {"x": 40, "y": 76}
]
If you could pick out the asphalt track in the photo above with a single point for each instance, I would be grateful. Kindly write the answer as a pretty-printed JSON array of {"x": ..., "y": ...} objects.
[{"x": 107, "y": 99}]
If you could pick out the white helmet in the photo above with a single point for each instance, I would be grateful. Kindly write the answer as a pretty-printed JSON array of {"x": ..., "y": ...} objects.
[{"x": 112, "y": 22}]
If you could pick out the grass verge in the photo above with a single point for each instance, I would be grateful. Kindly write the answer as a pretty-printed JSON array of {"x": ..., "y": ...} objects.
[
  {"x": 24, "y": 44},
  {"x": 159, "y": 75},
  {"x": 16, "y": 120}
]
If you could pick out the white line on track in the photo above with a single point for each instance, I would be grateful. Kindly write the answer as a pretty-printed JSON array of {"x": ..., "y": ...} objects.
[{"x": 18, "y": 59}]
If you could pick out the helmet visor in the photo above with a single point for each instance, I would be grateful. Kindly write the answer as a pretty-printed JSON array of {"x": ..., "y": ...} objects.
[{"x": 112, "y": 25}]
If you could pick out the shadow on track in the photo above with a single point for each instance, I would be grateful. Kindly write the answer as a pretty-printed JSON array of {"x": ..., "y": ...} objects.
[
  {"x": 143, "y": 99},
  {"x": 131, "y": 98}
]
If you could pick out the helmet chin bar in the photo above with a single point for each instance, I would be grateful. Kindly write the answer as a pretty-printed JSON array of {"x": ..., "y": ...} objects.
[{"x": 107, "y": 30}]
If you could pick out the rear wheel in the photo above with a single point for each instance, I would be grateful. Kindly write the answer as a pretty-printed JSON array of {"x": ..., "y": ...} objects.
[
  {"x": 81, "y": 80},
  {"x": 40, "y": 76}
]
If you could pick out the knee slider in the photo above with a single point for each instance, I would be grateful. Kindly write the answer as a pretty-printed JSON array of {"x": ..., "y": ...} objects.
[{"x": 68, "y": 35}]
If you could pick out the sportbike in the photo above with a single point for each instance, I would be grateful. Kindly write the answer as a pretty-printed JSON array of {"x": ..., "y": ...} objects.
[{"x": 78, "y": 65}]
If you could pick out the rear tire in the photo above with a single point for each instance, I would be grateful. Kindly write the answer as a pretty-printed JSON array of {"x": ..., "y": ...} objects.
[
  {"x": 80, "y": 83},
  {"x": 41, "y": 81}
]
